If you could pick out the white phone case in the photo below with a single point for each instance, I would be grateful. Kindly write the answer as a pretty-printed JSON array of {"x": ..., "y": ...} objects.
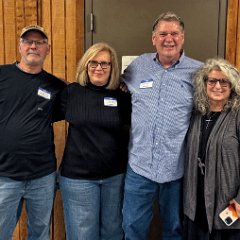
[{"x": 229, "y": 215}]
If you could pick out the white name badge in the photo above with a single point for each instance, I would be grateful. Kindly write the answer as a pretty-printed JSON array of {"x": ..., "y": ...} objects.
[
  {"x": 146, "y": 84},
  {"x": 110, "y": 102},
  {"x": 44, "y": 93}
]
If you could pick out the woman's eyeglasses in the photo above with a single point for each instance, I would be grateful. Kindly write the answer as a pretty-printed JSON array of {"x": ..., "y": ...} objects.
[
  {"x": 103, "y": 65},
  {"x": 222, "y": 82}
]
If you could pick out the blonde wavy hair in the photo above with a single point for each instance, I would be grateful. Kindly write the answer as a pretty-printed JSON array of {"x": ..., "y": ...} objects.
[
  {"x": 82, "y": 75},
  {"x": 200, "y": 95}
]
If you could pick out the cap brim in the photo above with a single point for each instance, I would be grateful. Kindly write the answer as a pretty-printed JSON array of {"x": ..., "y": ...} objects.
[{"x": 34, "y": 30}]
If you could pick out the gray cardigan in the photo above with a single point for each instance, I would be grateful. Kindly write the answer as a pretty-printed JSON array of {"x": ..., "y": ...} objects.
[{"x": 222, "y": 170}]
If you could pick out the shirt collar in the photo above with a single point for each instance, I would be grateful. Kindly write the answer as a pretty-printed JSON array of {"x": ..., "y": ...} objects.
[{"x": 155, "y": 59}]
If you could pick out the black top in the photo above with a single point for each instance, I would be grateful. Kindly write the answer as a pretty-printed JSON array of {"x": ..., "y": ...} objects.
[
  {"x": 27, "y": 106},
  {"x": 97, "y": 141},
  {"x": 208, "y": 122}
]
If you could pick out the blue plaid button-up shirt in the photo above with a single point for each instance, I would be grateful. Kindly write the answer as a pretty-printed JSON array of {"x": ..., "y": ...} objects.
[{"x": 162, "y": 102}]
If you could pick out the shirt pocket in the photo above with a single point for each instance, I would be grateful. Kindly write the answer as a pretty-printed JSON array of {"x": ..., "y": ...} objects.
[{"x": 44, "y": 106}]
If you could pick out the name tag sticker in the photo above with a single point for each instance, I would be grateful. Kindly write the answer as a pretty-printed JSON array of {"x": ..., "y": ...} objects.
[
  {"x": 110, "y": 102},
  {"x": 44, "y": 93},
  {"x": 146, "y": 84}
]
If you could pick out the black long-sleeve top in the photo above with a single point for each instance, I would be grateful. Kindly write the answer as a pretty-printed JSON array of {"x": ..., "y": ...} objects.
[{"x": 98, "y": 132}]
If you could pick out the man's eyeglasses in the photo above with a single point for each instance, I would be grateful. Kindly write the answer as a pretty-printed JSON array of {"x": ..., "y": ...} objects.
[
  {"x": 103, "y": 65},
  {"x": 29, "y": 43},
  {"x": 222, "y": 82}
]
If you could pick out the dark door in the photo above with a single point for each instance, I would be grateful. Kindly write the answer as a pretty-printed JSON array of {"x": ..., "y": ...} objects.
[{"x": 126, "y": 25}]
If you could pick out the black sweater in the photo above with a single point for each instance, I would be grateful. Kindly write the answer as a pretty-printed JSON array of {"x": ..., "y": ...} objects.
[{"x": 98, "y": 133}]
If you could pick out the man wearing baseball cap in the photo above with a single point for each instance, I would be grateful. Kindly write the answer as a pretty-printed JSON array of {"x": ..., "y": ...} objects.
[
  {"x": 28, "y": 106},
  {"x": 35, "y": 28}
]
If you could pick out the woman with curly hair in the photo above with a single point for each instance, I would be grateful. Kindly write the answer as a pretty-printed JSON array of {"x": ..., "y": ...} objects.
[{"x": 212, "y": 167}]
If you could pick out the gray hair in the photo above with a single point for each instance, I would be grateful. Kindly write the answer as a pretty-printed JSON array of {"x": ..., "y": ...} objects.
[
  {"x": 169, "y": 17},
  {"x": 200, "y": 95}
]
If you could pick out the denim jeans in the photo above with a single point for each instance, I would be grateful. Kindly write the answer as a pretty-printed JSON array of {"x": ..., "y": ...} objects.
[
  {"x": 38, "y": 195},
  {"x": 139, "y": 196},
  {"x": 93, "y": 208}
]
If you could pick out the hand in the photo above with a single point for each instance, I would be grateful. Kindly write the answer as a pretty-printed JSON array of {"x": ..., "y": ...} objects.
[
  {"x": 237, "y": 206},
  {"x": 123, "y": 87}
]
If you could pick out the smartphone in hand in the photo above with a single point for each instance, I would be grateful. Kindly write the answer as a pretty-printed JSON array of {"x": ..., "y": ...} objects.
[{"x": 229, "y": 215}]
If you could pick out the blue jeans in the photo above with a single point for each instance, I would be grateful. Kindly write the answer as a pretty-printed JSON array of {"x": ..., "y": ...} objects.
[
  {"x": 38, "y": 195},
  {"x": 139, "y": 196},
  {"x": 93, "y": 208}
]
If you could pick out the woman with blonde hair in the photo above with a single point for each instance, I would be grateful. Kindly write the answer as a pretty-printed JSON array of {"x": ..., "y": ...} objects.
[
  {"x": 212, "y": 167},
  {"x": 95, "y": 155}
]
